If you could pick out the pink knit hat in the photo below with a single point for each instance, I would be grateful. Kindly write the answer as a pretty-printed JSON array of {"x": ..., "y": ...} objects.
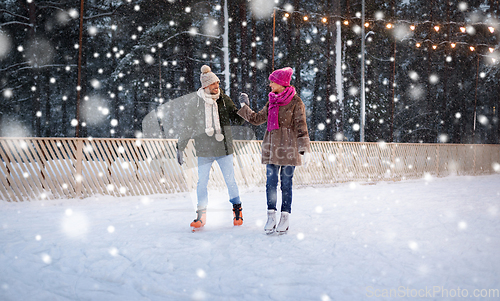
[{"x": 282, "y": 76}]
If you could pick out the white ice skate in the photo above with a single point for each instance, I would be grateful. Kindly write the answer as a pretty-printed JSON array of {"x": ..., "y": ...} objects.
[
  {"x": 271, "y": 222},
  {"x": 283, "y": 225}
]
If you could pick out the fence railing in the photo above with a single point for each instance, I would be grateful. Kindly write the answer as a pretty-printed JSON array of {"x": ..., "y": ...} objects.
[{"x": 48, "y": 168}]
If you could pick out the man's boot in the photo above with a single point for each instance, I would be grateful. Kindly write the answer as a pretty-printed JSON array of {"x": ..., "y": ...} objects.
[
  {"x": 200, "y": 219},
  {"x": 238, "y": 215}
]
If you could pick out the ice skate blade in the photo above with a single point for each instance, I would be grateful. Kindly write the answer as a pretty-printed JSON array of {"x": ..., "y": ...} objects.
[
  {"x": 270, "y": 232},
  {"x": 193, "y": 230},
  {"x": 282, "y": 232}
]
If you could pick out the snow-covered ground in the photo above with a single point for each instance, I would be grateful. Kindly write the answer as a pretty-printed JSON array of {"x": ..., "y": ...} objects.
[{"x": 436, "y": 238}]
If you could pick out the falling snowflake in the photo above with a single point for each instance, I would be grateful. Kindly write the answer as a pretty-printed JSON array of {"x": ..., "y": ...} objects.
[
  {"x": 483, "y": 120},
  {"x": 413, "y": 245},
  {"x": 262, "y": 8},
  {"x": 413, "y": 75},
  {"x": 433, "y": 79},
  {"x": 46, "y": 258},
  {"x": 463, "y": 6},
  {"x": 5, "y": 45}
]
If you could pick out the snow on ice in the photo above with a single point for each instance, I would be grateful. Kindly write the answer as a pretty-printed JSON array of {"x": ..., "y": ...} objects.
[{"x": 434, "y": 236}]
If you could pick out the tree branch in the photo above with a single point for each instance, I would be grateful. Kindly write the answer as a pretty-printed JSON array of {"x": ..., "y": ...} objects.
[
  {"x": 12, "y": 66},
  {"x": 16, "y": 22},
  {"x": 13, "y": 14}
]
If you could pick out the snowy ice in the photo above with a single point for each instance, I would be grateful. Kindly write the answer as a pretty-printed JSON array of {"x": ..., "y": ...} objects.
[{"x": 349, "y": 242}]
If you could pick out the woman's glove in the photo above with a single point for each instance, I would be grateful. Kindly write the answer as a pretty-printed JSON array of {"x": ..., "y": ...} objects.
[
  {"x": 306, "y": 158},
  {"x": 244, "y": 99},
  {"x": 180, "y": 157}
]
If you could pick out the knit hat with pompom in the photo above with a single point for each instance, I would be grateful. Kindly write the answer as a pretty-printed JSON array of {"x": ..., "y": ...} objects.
[
  {"x": 282, "y": 76},
  {"x": 207, "y": 77}
]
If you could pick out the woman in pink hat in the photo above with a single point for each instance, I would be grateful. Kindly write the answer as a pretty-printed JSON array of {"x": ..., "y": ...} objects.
[{"x": 286, "y": 137}]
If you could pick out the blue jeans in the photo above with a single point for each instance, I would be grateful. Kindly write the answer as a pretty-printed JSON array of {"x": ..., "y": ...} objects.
[
  {"x": 226, "y": 166},
  {"x": 286, "y": 176}
]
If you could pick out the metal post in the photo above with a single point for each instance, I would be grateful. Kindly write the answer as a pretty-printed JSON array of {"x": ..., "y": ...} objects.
[
  {"x": 225, "y": 48},
  {"x": 274, "y": 34},
  {"x": 79, "y": 87},
  {"x": 362, "y": 117}
]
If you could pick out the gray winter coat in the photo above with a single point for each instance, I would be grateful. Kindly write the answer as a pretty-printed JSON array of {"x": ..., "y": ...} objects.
[{"x": 194, "y": 127}]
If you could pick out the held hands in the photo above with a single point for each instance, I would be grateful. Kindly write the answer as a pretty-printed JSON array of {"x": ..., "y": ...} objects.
[
  {"x": 244, "y": 99},
  {"x": 180, "y": 157},
  {"x": 306, "y": 159}
]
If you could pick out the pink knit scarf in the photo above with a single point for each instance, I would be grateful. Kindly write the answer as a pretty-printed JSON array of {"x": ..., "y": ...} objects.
[{"x": 275, "y": 102}]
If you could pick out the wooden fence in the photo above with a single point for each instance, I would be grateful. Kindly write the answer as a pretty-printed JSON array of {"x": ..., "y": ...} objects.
[{"x": 49, "y": 168}]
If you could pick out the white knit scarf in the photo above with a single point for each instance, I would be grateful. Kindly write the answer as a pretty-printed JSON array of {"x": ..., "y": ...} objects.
[{"x": 211, "y": 114}]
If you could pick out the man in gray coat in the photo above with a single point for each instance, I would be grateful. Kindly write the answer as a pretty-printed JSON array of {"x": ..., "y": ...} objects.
[{"x": 209, "y": 115}]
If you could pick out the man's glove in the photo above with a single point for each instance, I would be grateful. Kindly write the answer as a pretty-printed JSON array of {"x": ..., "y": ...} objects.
[
  {"x": 306, "y": 158},
  {"x": 180, "y": 157},
  {"x": 244, "y": 99}
]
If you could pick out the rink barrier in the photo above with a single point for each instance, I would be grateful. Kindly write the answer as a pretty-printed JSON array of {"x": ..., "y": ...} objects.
[{"x": 52, "y": 168}]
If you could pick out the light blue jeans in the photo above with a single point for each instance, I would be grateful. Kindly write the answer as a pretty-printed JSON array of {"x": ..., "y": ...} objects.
[{"x": 226, "y": 166}]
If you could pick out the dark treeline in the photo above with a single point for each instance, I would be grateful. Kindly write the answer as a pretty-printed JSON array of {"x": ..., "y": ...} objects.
[{"x": 424, "y": 84}]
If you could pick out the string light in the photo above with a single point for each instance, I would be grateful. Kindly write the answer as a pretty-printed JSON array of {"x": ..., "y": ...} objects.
[
  {"x": 463, "y": 29},
  {"x": 412, "y": 26}
]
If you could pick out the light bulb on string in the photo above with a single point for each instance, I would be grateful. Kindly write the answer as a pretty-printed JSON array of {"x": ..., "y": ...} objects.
[
  {"x": 412, "y": 26},
  {"x": 491, "y": 49}
]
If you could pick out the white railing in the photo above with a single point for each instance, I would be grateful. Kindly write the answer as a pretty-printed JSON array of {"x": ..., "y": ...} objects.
[{"x": 39, "y": 168}]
